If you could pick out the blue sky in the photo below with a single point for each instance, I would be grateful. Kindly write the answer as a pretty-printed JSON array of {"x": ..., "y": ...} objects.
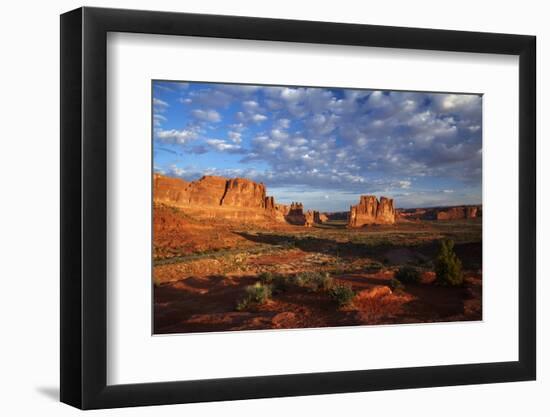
[{"x": 323, "y": 146}]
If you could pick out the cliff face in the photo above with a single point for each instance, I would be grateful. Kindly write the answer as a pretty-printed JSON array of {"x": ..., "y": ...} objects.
[
  {"x": 371, "y": 211},
  {"x": 215, "y": 197},
  {"x": 441, "y": 213},
  {"x": 456, "y": 213},
  {"x": 209, "y": 191},
  {"x": 240, "y": 192}
]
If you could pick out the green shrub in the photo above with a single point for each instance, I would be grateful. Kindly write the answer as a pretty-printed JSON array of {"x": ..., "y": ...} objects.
[
  {"x": 303, "y": 279},
  {"x": 448, "y": 268},
  {"x": 255, "y": 294},
  {"x": 396, "y": 285},
  {"x": 342, "y": 294},
  {"x": 408, "y": 275},
  {"x": 321, "y": 282},
  {"x": 266, "y": 277},
  {"x": 258, "y": 293},
  {"x": 314, "y": 281}
]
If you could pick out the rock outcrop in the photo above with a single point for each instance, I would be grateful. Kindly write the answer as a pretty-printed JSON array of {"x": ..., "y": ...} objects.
[
  {"x": 309, "y": 218},
  {"x": 295, "y": 214},
  {"x": 371, "y": 211},
  {"x": 319, "y": 218},
  {"x": 241, "y": 192},
  {"x": 213, "y": 197},
  {"x": 441, "y": 213},
  {"x": 457, "y": 213}
]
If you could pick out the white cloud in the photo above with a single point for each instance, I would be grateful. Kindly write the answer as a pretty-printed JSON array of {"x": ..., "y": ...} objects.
[
  {"x": 222, "y": 146},
  {"x": 279, "y": 134},
  {"x": 236, "y": 137},
  {"x": 158, "y": 119},
  {"x": 458, "y": 101},
  {"x": 259, "y": 118},
  {"x": 177, "y": 136},
  {"x": 282, "y": 124},
  {"x": 160, "y": 103},
  {"x": 355, "y": 140},
  {"x": 207, "y": 115},
  {"x": 251, "y": 105}
]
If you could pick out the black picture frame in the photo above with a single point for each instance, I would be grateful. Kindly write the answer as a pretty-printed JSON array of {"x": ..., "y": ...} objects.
[{"x": 84, "y": 207}]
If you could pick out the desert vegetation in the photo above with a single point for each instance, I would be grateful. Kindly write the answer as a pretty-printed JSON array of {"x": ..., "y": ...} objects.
[{"x": 214, "y": 273}]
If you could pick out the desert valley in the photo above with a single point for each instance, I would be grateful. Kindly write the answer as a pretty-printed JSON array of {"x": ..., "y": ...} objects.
[{"x": 227, "y": 256}]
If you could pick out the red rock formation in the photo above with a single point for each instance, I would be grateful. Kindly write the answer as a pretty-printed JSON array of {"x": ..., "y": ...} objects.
[
  {"x": 213, "y": 197},
  {"x": 309, "y": 218},
  {"x": 241, "y": 192},
  {"x": 385, "y": 213},
  {"x": 284, "y": 209},
  {"x": 451, "y": 213},
  {"x": 457, "y": 213},
  {"x": 371, "y": 211},
  {"x": 471, "y": 212},
  {"x": 440, "y": 213},
  {"x": 319, "y": 218},
  {"x": 170, "y": 190},
  {"x": 296, "y": 214},
  {"x": 269, "y": 203},
  {"x": 207, "y": 191}
]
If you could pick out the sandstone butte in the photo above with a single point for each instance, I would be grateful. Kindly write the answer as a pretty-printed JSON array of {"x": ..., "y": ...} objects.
[
  {"x": 371, "y": 211},
  {"x": 241, "y": 199},
  {"x": 213, "y": 197}
]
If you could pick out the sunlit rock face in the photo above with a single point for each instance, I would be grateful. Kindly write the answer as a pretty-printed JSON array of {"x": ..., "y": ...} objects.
[
  {"x": 213, "y": 197},
  {"x": 241, "y": 192},
  {"x": 371, "y": 211}
]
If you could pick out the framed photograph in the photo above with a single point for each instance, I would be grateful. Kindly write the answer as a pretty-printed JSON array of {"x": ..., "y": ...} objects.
[{"x": 258, "y": 208}]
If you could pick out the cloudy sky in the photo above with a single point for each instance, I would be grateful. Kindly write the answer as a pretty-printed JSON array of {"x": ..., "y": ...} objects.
[{"x": 323, "y": 146}]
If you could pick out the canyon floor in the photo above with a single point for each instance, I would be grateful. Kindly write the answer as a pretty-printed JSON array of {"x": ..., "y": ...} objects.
[{"x": 202, "y": 267}]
